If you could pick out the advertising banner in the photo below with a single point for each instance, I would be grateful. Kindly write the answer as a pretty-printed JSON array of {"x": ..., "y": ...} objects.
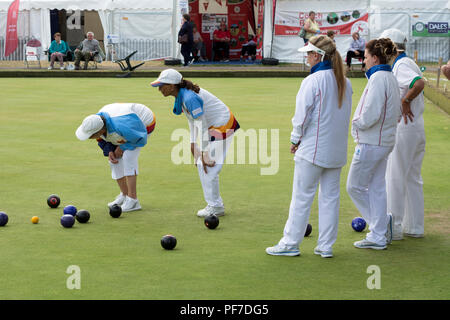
[
  {"x": 289, "y": 23},
  {"x": 11, "y": 28},
  {"x": 259, "y": 17},
  {"x": 430, "y": 25}
]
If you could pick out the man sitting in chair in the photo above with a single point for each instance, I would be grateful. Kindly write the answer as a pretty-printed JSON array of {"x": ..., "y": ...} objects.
[
  {"x": 221, "y": 43},
  {"x": 86, "y": 51},
  {"x": 356, "y": 50}
]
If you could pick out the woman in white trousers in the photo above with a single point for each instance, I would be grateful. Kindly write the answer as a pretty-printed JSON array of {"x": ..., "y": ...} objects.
[
  {"x": 374, "y": 126},
  {"x": 212, "y": 122},
  {"x": 404, "y": 184},
  {"x": 319, "y": 142}
]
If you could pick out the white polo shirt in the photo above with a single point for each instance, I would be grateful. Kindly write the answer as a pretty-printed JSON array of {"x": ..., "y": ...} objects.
[{"x": 406, "y": 72}]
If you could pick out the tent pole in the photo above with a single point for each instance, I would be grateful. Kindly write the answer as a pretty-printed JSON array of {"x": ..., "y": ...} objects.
[
  {"x": 274, "y": 8},
  {"x": 174, "y": 28},
  {"x": 369, "y": 6}
]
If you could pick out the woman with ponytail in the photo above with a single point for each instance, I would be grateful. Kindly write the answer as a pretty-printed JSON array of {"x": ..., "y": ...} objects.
[
  {"x": 374, "y": 127},
  {"x": 319, "y": 141},
  {"x": 214, "y": 124}
]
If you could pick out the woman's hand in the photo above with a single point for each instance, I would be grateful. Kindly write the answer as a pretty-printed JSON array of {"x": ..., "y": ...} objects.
[
  {"x": 406, "y": 111},
  {"x": 195, "y": 153},
  {"x": 206, "y": 161},
  {"x": 294, "y": 147},
  {"x": 112, "y": 157},
  {"x": 118, "y": 153}
]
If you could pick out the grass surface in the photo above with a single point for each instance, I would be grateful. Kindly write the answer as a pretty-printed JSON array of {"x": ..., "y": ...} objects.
[{"x": 122, "y": 258}]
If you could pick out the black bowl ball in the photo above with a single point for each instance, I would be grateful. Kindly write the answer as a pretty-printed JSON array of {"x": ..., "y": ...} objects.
[
  {"x": 308, "y": 230},
  {"x": 115, "y": 211},
  {"x": 83, "y": 216},
  {"x": 168, "y": 242},
  {"x": 53, "y": 201},
  {"x": 211, "y": 221}
]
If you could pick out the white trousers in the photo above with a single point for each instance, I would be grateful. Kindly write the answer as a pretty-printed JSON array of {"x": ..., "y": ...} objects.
[
  {"x": 366, "y": 186},
  {"x": 306, "y": 178},
  {"x": 404, "y": 183},
  {"x": 127, "y": 166},
  {"x": 217, "y": 151}
]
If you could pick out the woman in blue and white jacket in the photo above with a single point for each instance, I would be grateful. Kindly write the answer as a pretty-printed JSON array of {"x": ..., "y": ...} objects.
[
  {"x": 374, "y": 127},
  {"x": 319, "y": 140},
  {"x": 121, "y": 130}
]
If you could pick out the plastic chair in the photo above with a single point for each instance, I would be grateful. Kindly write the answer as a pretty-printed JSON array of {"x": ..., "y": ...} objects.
[
  {"x": 128, "y": 66},
  {"x": 32, "y": 51}
]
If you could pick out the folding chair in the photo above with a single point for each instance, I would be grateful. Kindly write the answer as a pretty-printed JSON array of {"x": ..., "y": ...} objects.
[
  {"x": 32, "y": 51},
  {"x": 128, "y": 66},
  {"x": 67, "y": 59}
]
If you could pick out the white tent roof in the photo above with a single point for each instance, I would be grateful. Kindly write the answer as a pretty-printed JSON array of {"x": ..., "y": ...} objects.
[
  {"x": 411, "y": 5},
  {"x": 156, "y": 5}
]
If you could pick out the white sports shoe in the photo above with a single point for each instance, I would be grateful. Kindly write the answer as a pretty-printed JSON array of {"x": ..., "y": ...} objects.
[
  {"x": 279, "y": 250},
  {"x": 366, "y": 244},
  {"x": 50, "y": 68},
  {"x": 397, "y": 236},
  {"x": 389, "y": 232},
  {"x": 130, "y": 204},
  {"x": 323, "y": 254},
  {"x": 208, "y": 210},
  {"x": 119, "y": 200}
]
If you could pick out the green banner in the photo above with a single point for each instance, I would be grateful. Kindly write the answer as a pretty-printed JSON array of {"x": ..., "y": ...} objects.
[{"x": 431, "y": 29}]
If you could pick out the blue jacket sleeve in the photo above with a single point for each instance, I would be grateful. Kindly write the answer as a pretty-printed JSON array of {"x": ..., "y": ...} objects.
[{"x": 132, "y": 129}]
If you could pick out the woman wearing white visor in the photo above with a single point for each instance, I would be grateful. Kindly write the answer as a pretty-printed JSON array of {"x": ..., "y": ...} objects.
[
  {"x": 121, "y": 130},
  {"x": 404, "y": 183},
  {"x": 211, "y": 120},
  {"x": 319, "y": 141},
  {"x": 373, "y": 128}
]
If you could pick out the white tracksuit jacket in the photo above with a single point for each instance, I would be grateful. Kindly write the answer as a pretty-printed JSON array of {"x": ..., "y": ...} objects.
[
  {"x": 319, "y": 124},
  {"x": 378, "y": 111}
]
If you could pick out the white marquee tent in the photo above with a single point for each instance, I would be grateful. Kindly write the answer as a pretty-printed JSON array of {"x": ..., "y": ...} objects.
[
  {"x": 148, "y": 22},
  {"x": 382, "y": 14},
  {"x": 139, "y": 20}
]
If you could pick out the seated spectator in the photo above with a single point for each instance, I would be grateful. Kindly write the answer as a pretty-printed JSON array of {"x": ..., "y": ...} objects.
[
  {"x": 199, "y": 50},
  {"x": 249, "y": 48},
  {"x": 87, "y": 50},
  {"x": 445, "y": 69},
  {"x": 331, "y": 34},
  {"x": 58, "y": 50},
  {"x": 221, "y": 42},
  {"x": 356, "y": 50}
]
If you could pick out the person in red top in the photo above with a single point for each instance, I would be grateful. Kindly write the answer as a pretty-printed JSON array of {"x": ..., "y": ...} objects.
[{"x": 221, "y": 43}]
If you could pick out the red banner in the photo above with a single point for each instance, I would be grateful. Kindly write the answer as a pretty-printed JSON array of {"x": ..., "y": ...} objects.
[
  {"x": 239, "y": 15},
  {"x": 259, "y": 15},
  {"x": 11, "y": 28},
  {"x": 239, "y": 12}
]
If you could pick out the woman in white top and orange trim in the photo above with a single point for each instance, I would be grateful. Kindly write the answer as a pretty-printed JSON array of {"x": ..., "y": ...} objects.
[
  {"x": 374, "y": 126},
  {"x": 215, "y": 124},
  {"x": 319, "y": 141}
]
